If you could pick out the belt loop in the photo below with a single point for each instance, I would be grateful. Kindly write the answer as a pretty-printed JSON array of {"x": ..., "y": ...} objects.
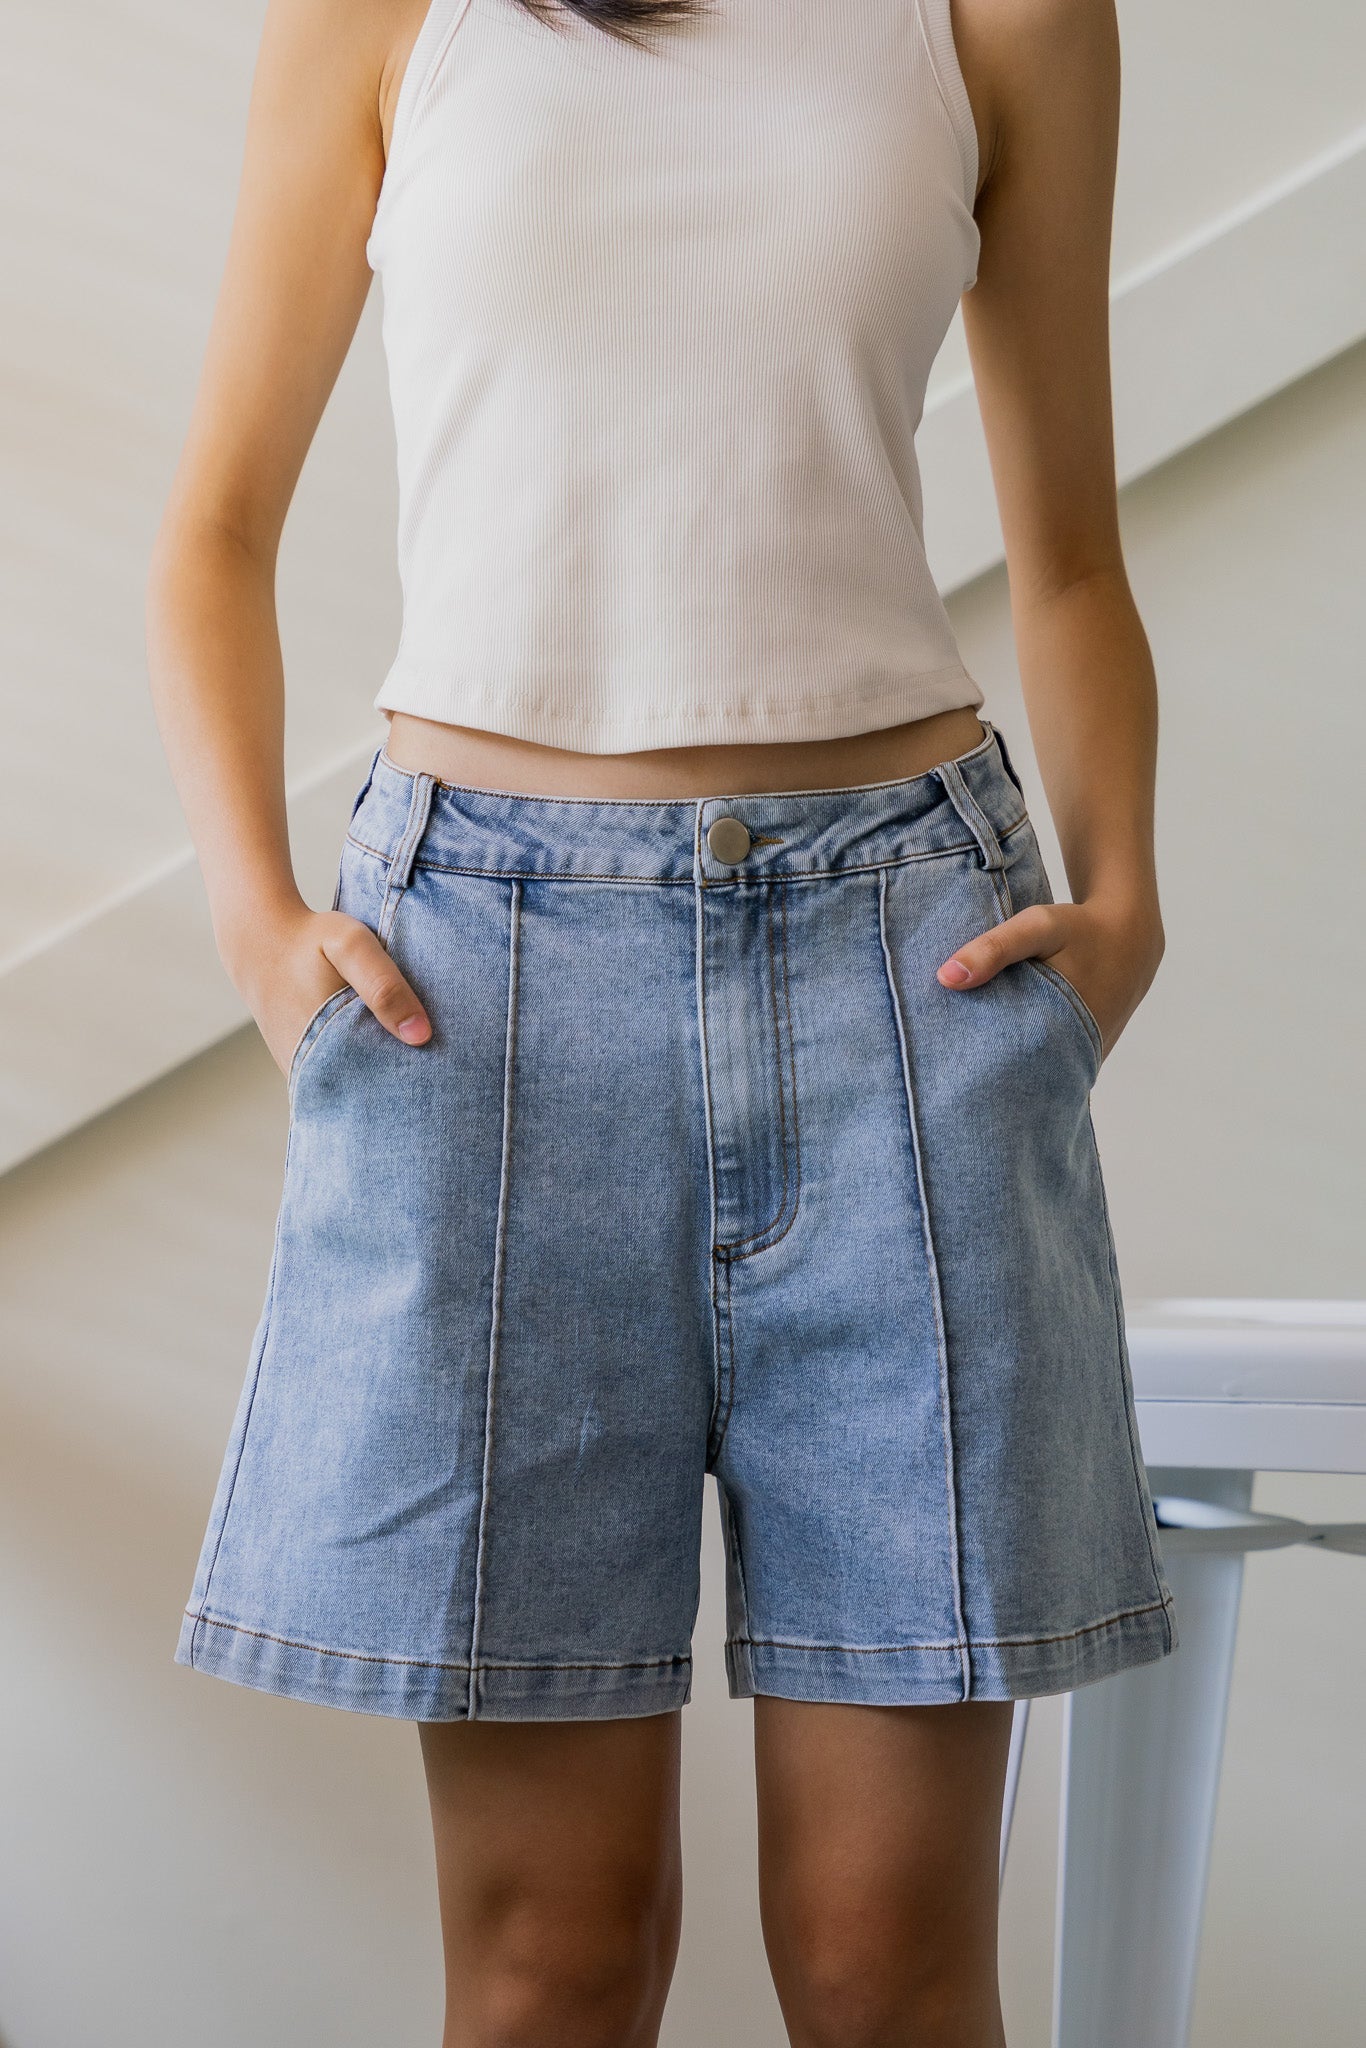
[
  {"x": 356, "y": 802},
  {"x": 972, "y": 814},
  {"x": 401, "y": 861},
  {"x": 364, "y": 789},
  {"x": 1006, "y": 761}
]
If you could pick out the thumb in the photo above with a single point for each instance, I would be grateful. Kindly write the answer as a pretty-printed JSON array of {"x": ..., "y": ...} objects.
[
  {"x": 1029, "y": 934},
  {"x": 358, "y": 954}
]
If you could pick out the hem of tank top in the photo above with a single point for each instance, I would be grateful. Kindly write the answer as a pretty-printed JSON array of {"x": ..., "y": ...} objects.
[
  {"x": 936, "y": 28},
  {"x": 486, "y": 711}
]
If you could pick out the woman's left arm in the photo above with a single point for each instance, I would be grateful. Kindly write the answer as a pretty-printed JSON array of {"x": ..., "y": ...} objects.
[{"x": 1043, "y": 78}]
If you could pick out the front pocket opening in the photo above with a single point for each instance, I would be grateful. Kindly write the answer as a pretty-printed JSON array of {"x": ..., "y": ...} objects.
[
  {"x": 1075, "y": 1002},
  {"x": 311, "y": 1032}
]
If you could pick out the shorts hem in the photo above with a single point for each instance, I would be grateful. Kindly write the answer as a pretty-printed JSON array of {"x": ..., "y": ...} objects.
[
  {"x": 932, "y": 1674},
  {"x": 412, "y": 1689}
]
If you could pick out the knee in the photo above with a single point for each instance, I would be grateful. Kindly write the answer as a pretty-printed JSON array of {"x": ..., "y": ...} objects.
[
  {"x": 846, "y": 1988},
  {"x": 581, "y": 1978}
]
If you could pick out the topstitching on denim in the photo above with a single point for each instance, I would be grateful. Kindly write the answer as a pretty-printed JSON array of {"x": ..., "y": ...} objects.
[
  {"x": 1121, "y": 1355},
  {"x": 258, "y": 1364},
  {"x": 400, "y": 866},
  {"x": 774, "y": 1231},
  {"x": 972, "y": 1643},
  {"x": 748, "y": 881},
  {"x": 303, "y": 1044},
  {"x": 936, "y": 1292},
  {"x": 499, "y": 1260},
  {"x": 985, "y": 833},
  {"x": 1084, "y": 1013},
  {"x": 492, "y": 832},
  {"x": 1075, "y": 1001},
  {"x": 262, "y": 1635}
]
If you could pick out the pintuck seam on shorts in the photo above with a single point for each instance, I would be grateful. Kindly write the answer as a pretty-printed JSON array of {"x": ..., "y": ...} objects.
[
  {"x": 936, "y": 1293},
  {"x": 499, "y": 1262}
]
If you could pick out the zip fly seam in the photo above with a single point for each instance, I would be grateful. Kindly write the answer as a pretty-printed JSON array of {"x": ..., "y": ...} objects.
[
  {"x": 789, "y": 1135},
  {"x": 701, "y": 984},
  {"x": 772, "y": 1028}
]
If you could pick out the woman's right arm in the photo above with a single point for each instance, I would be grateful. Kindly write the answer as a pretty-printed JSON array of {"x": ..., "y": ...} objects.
[{"x": 293, "y": 287}]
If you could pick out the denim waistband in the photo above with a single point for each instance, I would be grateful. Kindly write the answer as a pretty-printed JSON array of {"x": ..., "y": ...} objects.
[{"x": 413, "y": 820}]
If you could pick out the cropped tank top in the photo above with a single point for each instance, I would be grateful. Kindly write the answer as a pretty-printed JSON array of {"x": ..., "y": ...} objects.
[{"x": 658, "y": 323}]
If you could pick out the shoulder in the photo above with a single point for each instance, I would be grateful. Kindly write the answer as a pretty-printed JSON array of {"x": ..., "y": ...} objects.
[
  {"x": 1022, "y": 59},
  {"x": 1030, "y": 39},
  {"x": 337, "y": 65},
  {"x": 358, "y": 38},
  {"x": 1024, "y": 25}
]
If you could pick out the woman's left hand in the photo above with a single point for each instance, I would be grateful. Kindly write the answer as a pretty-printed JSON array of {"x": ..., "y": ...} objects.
[{"x": 1110, "y": 955}]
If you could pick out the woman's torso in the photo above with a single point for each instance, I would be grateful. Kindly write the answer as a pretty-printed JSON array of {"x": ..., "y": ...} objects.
[{"x": 658, "y": 325}]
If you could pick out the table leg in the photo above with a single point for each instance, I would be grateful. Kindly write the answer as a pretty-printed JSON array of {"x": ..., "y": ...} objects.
[
  {"x": 1141, "y": 1765},
  {"x": 1019, "y": 1730}
]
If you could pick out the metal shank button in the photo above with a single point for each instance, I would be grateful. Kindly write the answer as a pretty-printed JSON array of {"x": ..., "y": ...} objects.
[{"x": 728, "y": 840}]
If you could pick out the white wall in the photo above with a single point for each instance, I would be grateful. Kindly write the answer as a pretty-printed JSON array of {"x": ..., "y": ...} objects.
[{"x": 187, "y": 1861}]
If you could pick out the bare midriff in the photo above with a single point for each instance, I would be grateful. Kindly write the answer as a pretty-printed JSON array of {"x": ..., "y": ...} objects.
[{"x": 491, "y": 760}]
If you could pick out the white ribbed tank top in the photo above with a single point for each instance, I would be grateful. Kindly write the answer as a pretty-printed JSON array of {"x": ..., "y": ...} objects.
[{"x": 658, "y": 325}]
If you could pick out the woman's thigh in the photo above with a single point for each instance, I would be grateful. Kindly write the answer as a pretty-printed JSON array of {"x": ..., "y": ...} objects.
[
  {"x": 559, "y": 1875},
  {"x": 879, "y": 1834}
]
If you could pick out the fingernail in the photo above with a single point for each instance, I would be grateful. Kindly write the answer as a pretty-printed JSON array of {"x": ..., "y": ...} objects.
[
  {"x": 955, "y": 971},
  {"x": 413, "y": 1030}
]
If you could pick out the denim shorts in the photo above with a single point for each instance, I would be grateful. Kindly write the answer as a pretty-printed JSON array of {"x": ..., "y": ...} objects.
[{"x": 701, "y": 1171}]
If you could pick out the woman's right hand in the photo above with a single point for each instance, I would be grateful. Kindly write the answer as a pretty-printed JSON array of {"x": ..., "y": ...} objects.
[{"x": 290, "y": 966}]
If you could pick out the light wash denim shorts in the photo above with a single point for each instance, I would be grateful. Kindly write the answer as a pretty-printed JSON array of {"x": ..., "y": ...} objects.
[{"x": 702, "y": 1171}]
